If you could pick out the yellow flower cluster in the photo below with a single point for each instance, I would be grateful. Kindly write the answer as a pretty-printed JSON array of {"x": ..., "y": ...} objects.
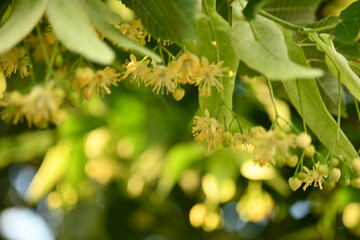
[
  {"x": 268, "y": 146},
  {"x": 88, "y": 82},
  {"x": 187, "y": 69},
  {"x": 15, "y": 61},
  {"x": 39, "y": 107},
  {"x": 134, "y": 30}
]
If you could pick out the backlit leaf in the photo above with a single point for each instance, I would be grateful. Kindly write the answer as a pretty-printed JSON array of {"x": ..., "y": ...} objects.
[
  {"x": 105, "y": 26},
  {"x": 73, "y": 28},
  {"x": 348, "y": 28},
  {"x": 24, "y": 16},
  {"x": 260, "y": 44}
]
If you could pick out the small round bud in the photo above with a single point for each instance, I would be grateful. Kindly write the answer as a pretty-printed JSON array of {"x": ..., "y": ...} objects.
[
  {"x": 227, "y": 135},
  {"x": 178, "y": 94},
  {"x": 303, "y": 140},
  {"x": 355, "y": 182},
  {"x": 328, "y": 184},
  {"x": 344, "y": 182},
  {"x": 323, "y": 170},
  {"x": 292, "y": 161},
  {"x": 15, "y": 98},
  {"x": 334, "y": 161},
  {"x": 356, "y": 164},
  {"x": 335, "y": 174},
  {"x": 301, "y": 175},
  {"x": 309, "y": 151},
  {"x": 84, "y": 75},
  {"x": 294, "y": 183}
]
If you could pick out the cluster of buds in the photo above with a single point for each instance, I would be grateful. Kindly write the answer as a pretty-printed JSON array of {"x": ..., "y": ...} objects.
[{"x": 187, "y": 69}]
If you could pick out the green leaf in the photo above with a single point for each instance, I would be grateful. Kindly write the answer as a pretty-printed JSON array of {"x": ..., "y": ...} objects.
[
  {"x": 101, "y": 9},
  {"x": 166, "y": 19},
  {"x": 252, "y": 7},
  {"x": 295, "y": 11},
  {"x": 260, "y": 45},
  {"x": 177, "y": 160},
  {"x": 24, "y": 17},
  {"x": 73, "y": 28},
  {"x": 214, "y": 43},
  {"x": 337, "y": 63},
  {"x": 348, "y": 28},
  {"x": 306, "y": 98},
  {"x": 98, "y": 13},
  {"x": 328, "y": 21}
]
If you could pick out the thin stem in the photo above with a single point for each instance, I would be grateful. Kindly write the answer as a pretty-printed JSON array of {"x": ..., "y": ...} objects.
[
  {"x": 43, "y": 48},
  {"x": 339, "y": 110},
  {"x": 301, "y": 106},
  {"x": 357, "y": 108},
  {"x": 32, "y": 73},
  {"x": 280, "y": 21},
  {"x": 273, "y": 100}
]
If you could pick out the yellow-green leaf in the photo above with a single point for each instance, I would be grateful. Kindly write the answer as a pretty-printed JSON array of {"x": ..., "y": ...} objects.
[{"x": 24, "y": 16}]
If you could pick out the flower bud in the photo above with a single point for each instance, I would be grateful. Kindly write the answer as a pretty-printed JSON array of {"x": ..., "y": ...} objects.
[
  {"x": 335, "y": 174},
  {"x": 344, "y": 182},
  {"x": 178, "y": 94},
  {"x": 356, "y": 164},
  {"x": 303, "y": 140},
  {"x": 292, "y": 161},
  {"x": 294, "y": 183},
  {"x": 323, "y": 170},
  {"x": 309, "y": 151},
  {"x": 301, "y": 175},
  {"x": 355, "y": 182}
]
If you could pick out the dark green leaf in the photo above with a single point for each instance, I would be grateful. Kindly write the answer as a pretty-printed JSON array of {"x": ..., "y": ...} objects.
[
  {"x": 104, "y": 26},
  {"x": 295, "y": 11},
  {"x": 348, "y": 29},
  {"x": 24, "y": 17},
  {"x": 252, "y": 7},
  {"x": 305, "y": 96},
  {"x": 166, "y": 19},
  {"x": 260, "y": 45},
  {"x": 72, "y": 26}
]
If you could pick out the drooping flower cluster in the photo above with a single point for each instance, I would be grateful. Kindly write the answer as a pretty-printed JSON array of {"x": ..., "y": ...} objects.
[
  {"x": 88, "y": 82},
  {"x": 187, "y": 69},
  {"x": 14, "y": 61},
  {"x": 39, "y": 107}
]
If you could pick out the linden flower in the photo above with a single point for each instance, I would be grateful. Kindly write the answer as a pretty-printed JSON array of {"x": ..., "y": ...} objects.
[
  {"x": 11, "y": 104},
  {"x": 90, "y": 82},
  {"x": 209, "y": 129},
  {"x": 13, "y": 61},
  {"x": 186, "y": 66},
  {"x": 136, "y": 71},
  {"x": 270, "y": 144},
  {"x": 134, "y": 31},
  {"x": 162, "y": 78},
  {"x": 42, "y": 105},
  {"x": 208, "y": 77},
  {"x": 105, "y": 78},
  {"x": 240, "y": 142},
  {"x": 314, "y": 176}
]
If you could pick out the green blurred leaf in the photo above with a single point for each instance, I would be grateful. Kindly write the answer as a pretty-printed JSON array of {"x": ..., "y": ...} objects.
[
  {"x": 72, "y": 26},
  {"x": 260, "y": 45},
  {"x": 214, "y": 43},
  {"x": 50, "y": 172},
  {"x": 99, "y": 14},
  {"x": 24, "y": 17},
  {"x": 297, "y": 12},
  {"x": 166, "y": 19},
  {"x": 337, "y": 63},
  {"x": 25, "y": 147},
  {"x": 306, "y": 98},
  {"x": 177, "y": 160},
  {"x": 348, "y": 29},
  {"x": 252, "y": 7}
]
